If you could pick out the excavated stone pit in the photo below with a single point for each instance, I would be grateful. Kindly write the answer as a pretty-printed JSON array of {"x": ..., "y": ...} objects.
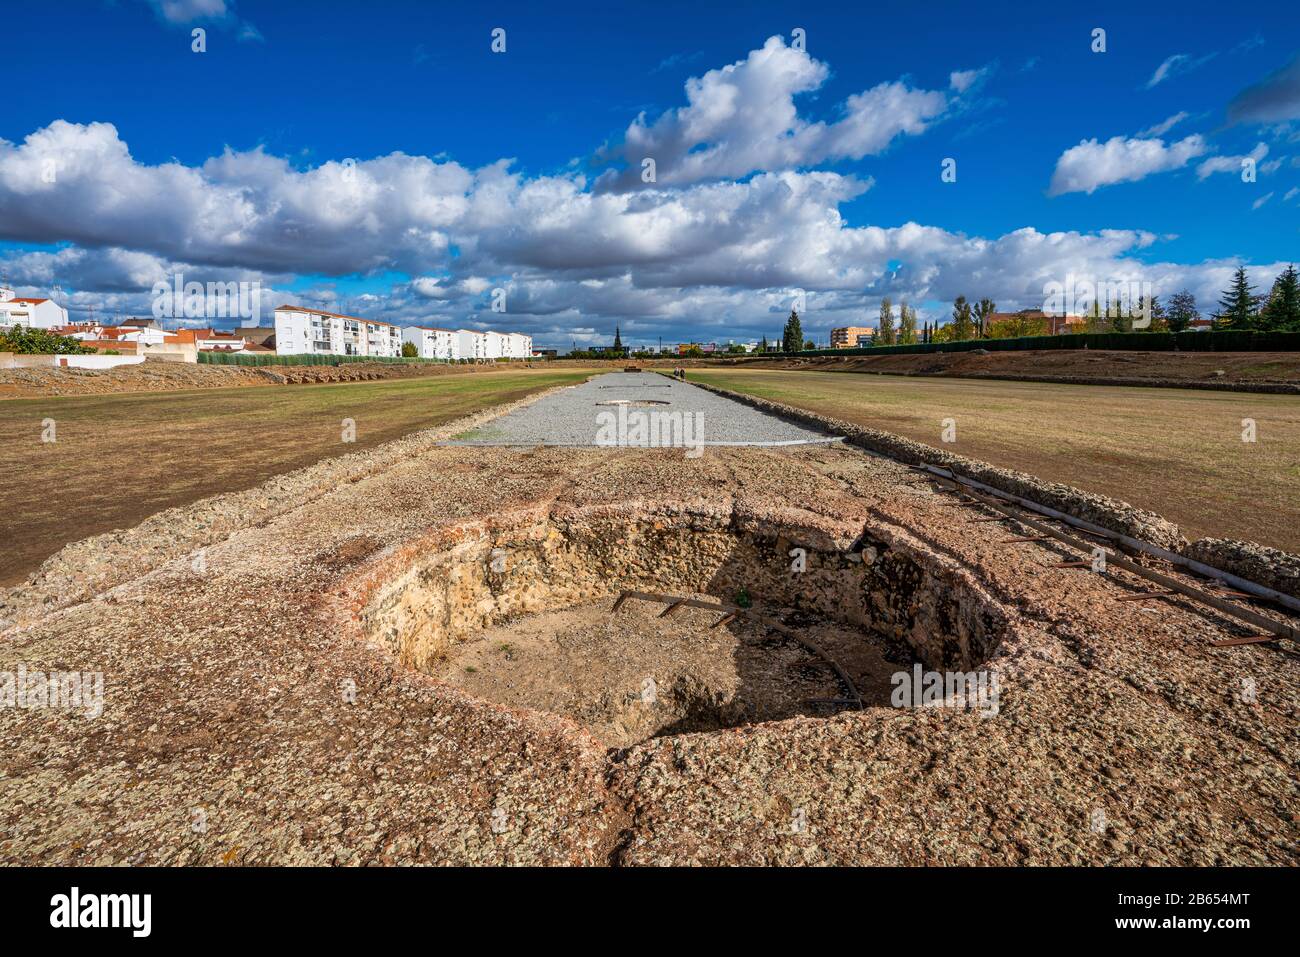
[{"x": 518, "y": 611}]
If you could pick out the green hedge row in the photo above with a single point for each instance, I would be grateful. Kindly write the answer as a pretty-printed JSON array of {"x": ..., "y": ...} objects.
[
  {"x": 1136, "y": 341},
  {"x": 267, "y": 359}
]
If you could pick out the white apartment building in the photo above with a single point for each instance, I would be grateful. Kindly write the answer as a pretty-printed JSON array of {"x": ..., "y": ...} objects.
[
  {"x": 497, "y": 343},
  {"x": 519, "y": 346},
  {"x": 30, "y": 313},
  {"x": 301, "y": 331},
  {"x": 431, "y": 342},
  {"x": 471, "y": 344}
]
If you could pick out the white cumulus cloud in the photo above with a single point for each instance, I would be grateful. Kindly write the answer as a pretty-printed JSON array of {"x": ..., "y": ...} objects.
[
  {"x": 743, "y": 117},
  {"x": 1092, "y": 164}
]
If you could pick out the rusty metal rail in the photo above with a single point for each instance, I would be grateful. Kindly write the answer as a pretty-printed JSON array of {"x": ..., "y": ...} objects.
[
  {"x": 1254, "y": 589},
  {"x": 1275, "y": 629},
  {"x": 729, "y": 613}
]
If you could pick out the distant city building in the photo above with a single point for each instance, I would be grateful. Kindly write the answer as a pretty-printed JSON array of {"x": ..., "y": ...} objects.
[
  {"x": 471, "y": 345},
  {"x": 300, "y": 331},
  {"x": 431, "y": 342},
  {"x": 846, "y": 337},
  {"x": 518, "y": 346},
  {"x": 259, "y": 338},
  {"x": 30, "y": 313}
]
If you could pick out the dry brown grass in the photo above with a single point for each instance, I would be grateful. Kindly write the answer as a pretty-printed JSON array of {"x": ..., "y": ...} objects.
[
  {"x": 120, "y": 458},
  {"x": 1177, "y": 452}
]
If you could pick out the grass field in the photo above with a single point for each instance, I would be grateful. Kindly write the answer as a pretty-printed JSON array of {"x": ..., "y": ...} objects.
[
  {"x": 1177, "y": 452},
  {"x": 121, "y": 458}
]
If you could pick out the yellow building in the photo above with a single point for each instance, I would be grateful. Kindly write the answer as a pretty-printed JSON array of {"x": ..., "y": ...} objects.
[{"x": 847, "y": 337}]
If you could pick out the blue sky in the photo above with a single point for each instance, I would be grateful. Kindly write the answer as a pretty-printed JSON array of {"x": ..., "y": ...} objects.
[{"x": 305, "y": 85}]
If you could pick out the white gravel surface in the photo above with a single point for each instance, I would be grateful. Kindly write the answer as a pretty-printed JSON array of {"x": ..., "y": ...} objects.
[{"x": 639, "y": 409}]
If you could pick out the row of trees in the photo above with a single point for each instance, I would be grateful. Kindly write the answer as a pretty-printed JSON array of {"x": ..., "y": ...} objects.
[
  {"x": 1240, "y": 309},
  {"x": 906, "y": 333}
]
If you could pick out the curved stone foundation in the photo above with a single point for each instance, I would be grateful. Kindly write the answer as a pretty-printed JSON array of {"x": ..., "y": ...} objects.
[{"x": 910, "y": 604}]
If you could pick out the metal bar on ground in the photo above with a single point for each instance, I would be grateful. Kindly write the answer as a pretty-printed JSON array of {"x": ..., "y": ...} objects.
[
  {"x": 675, "y": 606},
  {"x": 1155, "y": 551},
  {"x": 1252, "y": 640},
  {"x": 1281, "y": 629}
]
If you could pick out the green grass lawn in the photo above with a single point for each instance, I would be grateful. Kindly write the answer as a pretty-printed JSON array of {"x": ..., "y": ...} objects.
[
  {"x": 1177, "y": 452},
  {"x": 120, "y": 458}
]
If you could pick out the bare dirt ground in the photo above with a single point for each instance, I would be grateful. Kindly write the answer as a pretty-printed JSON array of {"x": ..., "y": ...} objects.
[
  {"x": 182, "y": 376},
  {"x": 279, "y": 689},
  {"x": 631, "y": 676},
  {"x": 120, "y": 458},
  {"x": 1245, "y": 370},
  {"x": 1178, "y": 453}
]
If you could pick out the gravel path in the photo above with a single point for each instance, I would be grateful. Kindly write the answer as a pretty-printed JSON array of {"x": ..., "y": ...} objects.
[{"x": 639, "y": 409}]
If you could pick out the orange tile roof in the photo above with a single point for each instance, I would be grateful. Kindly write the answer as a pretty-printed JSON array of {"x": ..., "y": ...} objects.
[{"x": 103, "y": 345}]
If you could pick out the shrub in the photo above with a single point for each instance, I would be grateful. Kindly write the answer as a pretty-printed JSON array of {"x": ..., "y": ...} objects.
[{"x": 40, "y": 342}]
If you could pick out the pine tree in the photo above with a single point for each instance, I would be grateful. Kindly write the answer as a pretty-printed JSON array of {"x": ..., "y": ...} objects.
[
  {"x": 886, "y": 331},
  {"x": 1282, "y": 313},
  {"x": 1182, "y": 311},
  {"x": 963, "y": 324},
  {"x": 792, "y": 335},
  {"x": 906, "y": 325},
  {"x": 983, "y": 310},
  {"x": 763, "y": 347},
  {"x": 1238, "y": 309}
]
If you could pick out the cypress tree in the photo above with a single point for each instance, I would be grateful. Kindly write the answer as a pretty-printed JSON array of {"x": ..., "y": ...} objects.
[
  {"x": 792, "y": 335},
  {"x": 886, "y": 330},
  {"x": 906, "y": 325}
]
